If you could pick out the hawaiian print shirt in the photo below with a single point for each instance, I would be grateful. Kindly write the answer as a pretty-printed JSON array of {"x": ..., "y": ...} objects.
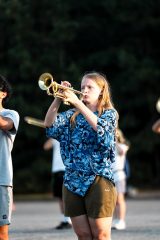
[{"x": 85, "y": 152}]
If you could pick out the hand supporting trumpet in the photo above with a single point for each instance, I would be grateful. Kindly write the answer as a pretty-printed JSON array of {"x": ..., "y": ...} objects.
[{"x": 68, "y": 96}]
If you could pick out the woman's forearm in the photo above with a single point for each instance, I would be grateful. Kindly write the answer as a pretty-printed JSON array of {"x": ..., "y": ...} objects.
[
  {"x": 52, "y": 112},
  {"x": 88, "y": 114}
]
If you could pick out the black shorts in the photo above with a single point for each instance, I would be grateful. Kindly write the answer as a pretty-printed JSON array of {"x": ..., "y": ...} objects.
[{"x": 57, "y": 183}]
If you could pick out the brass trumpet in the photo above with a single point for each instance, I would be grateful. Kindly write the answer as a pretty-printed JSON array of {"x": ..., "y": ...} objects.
[{"x": 47, "y": 83}]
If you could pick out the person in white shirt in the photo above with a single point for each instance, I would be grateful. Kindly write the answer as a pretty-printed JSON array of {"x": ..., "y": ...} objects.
[
  {"x": 122, "y": 147},
  {"x": 58, "y": 170},
  {"x": 9, "y": 121}
]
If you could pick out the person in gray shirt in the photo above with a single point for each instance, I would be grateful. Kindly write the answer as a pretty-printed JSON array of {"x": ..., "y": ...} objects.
[{"x": 9, "y": 121}]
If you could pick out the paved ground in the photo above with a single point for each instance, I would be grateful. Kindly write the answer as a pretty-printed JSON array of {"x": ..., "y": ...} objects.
[{"x": 36, "y": 220}]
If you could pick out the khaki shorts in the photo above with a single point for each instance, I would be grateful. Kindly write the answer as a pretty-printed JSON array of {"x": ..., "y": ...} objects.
[
  {"x": 5, "y": 205},
  {"x": 99, "y": 201}
]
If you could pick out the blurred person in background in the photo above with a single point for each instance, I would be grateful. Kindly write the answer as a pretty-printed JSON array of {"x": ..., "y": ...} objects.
[
  {"x": 9, "y": 121},
  {"x": 120, "y": 179},
  {"x": 57, "y": 179},
  {"x": 156, "y": 127}
]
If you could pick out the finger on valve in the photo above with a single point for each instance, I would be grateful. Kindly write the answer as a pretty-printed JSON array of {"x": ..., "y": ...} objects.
[{"x": 65, "y": 84}]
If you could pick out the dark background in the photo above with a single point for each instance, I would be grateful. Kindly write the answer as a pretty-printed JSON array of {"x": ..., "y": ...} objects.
[{"x": 67, "y": 38}]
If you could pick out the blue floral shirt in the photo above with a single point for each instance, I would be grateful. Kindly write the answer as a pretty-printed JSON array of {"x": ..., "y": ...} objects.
[{"x": 85, "y": 152}]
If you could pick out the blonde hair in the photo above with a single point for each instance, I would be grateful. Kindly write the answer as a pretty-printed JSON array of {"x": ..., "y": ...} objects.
[{"x": 104, "y": 101}]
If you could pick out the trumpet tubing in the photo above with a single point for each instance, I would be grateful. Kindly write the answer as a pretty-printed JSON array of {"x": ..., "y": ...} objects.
[
  {"x": 34, "y": 121},
  {"x": 46, "y": 82}
]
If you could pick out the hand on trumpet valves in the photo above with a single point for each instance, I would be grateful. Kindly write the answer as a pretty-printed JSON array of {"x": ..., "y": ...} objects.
[
  {"x": 69, "y": 95},
  {"x": 65, "y": 84}
]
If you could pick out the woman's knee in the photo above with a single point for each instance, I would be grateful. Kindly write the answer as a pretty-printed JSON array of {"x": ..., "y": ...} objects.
[
  {"x": 82, "y": 228},
  {"x": 101, "y": 235},
  {"x": 83, "y": 235}
]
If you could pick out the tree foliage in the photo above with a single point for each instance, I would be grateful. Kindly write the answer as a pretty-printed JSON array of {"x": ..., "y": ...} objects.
[{"x": 68, "y": 38}]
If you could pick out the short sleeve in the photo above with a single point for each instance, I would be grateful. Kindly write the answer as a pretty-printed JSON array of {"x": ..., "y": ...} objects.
[
  {"x": 106, "y": 125},
  {"x": 60, "y": 126},
  {"x": 14, "y": 116}
]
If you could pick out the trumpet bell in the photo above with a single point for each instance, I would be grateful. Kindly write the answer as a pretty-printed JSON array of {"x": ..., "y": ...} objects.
[
  {"x": 45, "y": 81},
  {"x": 41, "y": 85}
]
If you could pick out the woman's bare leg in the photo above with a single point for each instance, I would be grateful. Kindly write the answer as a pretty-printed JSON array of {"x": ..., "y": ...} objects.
[
  {"x": 81, "y": 227},
  {"x": 101, "y": 228}
]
